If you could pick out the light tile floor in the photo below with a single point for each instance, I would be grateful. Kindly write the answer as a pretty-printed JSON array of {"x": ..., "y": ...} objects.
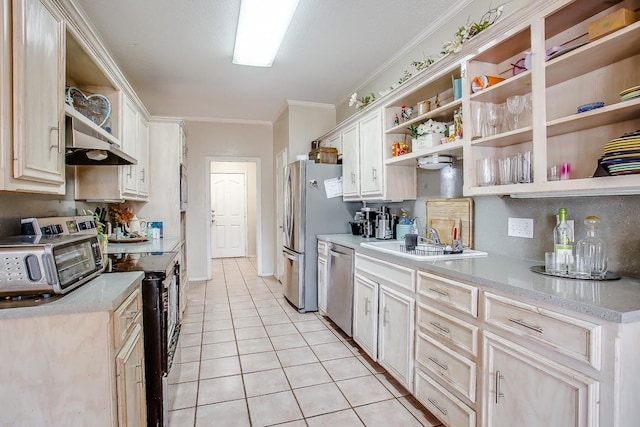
[{"x": 248, "y": 358}]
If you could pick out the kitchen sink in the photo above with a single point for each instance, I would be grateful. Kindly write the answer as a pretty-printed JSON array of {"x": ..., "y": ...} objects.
[{"x": 422, "y": 253}]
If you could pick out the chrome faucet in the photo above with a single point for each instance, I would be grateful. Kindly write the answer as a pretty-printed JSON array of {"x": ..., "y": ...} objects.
[{"x": 433, "y": 236}]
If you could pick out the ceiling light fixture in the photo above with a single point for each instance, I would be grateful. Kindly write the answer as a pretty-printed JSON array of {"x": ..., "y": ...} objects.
[{"x": 261, "y": 28}]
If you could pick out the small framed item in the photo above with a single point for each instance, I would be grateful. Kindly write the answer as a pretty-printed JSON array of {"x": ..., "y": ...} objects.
[{"x": 94, "y": 106}]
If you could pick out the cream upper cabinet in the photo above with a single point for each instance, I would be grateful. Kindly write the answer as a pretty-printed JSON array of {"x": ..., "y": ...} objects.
[
  {"x": 32, "y": 121},
  {"x": 351, "y": 162},
  {"x": 371, "y": 162},
  {"x": 119, "y": 183},
  {"x": 135, "y": 142},
  {"x": 143, "y": 157},
  {"x": 365, "y": 176},
  {"x": 521, "y": 387}
]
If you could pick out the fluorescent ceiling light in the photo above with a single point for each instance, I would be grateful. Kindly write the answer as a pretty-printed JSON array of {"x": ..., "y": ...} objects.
[{"x": 261, "y": 28}]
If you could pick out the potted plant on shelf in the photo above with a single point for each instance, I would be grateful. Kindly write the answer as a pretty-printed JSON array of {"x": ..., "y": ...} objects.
[{"x": 427, "y": 134}]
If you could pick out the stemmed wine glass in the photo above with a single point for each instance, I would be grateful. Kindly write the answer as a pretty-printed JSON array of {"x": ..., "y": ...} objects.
[
  {"x": 494, "y": 116},
  {"x": 515, "y": 105}
]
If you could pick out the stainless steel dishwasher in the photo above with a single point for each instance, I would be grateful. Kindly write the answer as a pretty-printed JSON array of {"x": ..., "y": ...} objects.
[{"x": 340, "y": 287}]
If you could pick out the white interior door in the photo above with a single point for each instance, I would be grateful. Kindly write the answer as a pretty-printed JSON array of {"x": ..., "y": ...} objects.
[
  {"x": 228, "y": 215},
  {"x": 281, "y": 163}
]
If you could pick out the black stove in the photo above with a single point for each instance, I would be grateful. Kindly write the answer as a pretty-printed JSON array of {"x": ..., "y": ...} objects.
[
  {"x": 149, "y": 262},
  {"x": 161, "y": 319}
]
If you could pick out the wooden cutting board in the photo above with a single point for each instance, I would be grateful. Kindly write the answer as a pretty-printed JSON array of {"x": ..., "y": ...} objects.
[{"x": 446, "y": 214}]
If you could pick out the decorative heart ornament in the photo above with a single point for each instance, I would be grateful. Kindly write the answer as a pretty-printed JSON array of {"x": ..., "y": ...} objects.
[{"x": 94, "y": 106}]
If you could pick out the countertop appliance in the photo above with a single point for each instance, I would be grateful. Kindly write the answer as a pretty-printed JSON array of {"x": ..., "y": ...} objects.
[
  {"x": 161, "y": 320},
  {"x": 340, "y": 287},
  {"x": 54, "y": 225},
  {"x": 309, "y": 212},
  {"x": 36, "y": 265}
]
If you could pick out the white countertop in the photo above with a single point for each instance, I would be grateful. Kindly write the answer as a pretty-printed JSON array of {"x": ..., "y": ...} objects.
[
  {"x": 104, "y": 293},
  {"x": 155, "y": 245},
  {"x": 615, "y": 300}
]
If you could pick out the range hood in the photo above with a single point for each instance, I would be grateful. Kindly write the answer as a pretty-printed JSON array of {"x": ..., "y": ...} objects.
[{"x": 86, "y": 147}]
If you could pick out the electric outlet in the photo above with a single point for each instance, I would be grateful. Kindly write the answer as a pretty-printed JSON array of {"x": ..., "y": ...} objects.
[{"x": 521, "y": 227}]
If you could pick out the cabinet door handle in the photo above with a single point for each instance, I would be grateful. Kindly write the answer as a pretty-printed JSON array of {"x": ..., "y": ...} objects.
[
  {"x": 353, "y": 177},
  {"x": 441, "y": 365},
  {"x": 385, "y": 320},
  {"x": 434, "y": 403},
  {"x": 367, "y": 303},
  {"x": 130, "y": 173},
  {"x": 440, "y": 327},
  {"x": 521, "y": 322},
  {"x": 142, "y": 178},
  {"x": 374, "y": 174},
  {"x": 439, "y": 291},
  {"x": 139, "y": 374},
  {"x": 55, "y": 144},
  {"x": 499, "y": 394}
]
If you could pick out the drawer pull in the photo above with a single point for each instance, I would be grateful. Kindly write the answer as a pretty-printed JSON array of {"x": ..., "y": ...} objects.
[
  {"x": 434, "y": 403},
  {"x": 439, "y": 291},
  {"x": 440, "y": 327},
  {"x": 439, "y": 363},
  {"x": 499, "y": 394},
  {"x": 521, "y": 322}
]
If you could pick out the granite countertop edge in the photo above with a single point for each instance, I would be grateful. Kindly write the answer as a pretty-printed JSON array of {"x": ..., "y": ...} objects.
[
  {"x": 167, "y": 244},
  {"x": 616, "y": 301},
  {"x": 103, "y": 293}
]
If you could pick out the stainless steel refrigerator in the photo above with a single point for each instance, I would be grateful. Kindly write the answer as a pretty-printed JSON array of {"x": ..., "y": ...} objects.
[{"x": 307, "y": 213}]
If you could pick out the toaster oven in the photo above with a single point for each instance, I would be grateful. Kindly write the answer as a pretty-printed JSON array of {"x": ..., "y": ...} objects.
[{"x": 35, "y": 265}]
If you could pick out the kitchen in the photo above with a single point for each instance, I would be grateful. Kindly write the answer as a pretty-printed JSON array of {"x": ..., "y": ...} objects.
[{"x": 491, "y": 212}]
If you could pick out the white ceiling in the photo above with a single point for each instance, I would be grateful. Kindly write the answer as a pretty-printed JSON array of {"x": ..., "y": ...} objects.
[{"x": 177, "y": 54}]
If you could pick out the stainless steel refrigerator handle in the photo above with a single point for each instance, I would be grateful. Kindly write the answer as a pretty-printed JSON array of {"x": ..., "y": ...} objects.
[{"x": 288, "y": 210}]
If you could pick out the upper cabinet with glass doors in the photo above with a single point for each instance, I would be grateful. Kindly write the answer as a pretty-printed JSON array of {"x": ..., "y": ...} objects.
[{"x": 525, "y": 134}]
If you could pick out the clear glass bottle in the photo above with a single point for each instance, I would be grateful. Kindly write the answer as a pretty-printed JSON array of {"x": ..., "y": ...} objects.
[
  {"x": 563, "y": 242},
  {"x": 593, "y": 248}
]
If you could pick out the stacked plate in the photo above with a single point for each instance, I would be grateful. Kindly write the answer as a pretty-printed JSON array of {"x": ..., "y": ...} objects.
[
  {"x": 622, "y": 155},
  {"x": 630, "y": 93},
  {"x": 435, "y": 161}
]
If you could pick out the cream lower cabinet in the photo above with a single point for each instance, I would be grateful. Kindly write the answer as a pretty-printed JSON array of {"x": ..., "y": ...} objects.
[
  {"x": 384, "y": 318},
  {"x": 74, "y": 369},
  {"x": 31, "y": 138},
  {"x": 130, "y": 381},
  {"x": 525, "y": 389},
  {"x": 322, "y": 276}
]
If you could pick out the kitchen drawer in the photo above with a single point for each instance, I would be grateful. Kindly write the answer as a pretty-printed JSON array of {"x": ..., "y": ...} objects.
[
  {"x": 386, "y": 273},
  {"x": 125, "y": 316},
  {"x": 455, "y": 331},
  {"x": 323, "y": 249},
  {"x": 456, "y": 370},
  {"x": 573, "y": 337},
  {"x": 445, "y": 406},
  {"x": 457, "y": 295}
]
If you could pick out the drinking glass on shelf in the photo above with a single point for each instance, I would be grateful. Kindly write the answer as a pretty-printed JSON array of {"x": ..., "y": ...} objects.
[
  {"x": 493, "y": 117},
  {"x": 524, "y": 174},
  {"x": 486, "y": 169},
  {"x": 477, "y": 119},
  {"x": 515, "y": 105},
  {"x": 505, "y": 170}
]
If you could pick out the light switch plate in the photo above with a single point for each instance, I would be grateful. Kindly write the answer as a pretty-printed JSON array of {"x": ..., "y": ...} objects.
[{"x": 520, "y": 227}]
